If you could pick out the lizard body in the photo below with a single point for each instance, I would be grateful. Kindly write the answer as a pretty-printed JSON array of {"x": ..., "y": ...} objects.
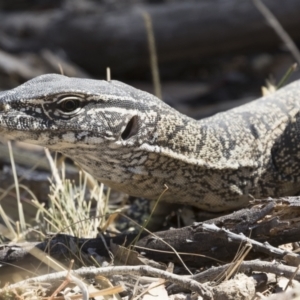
[{"x": 133, "y": 142}]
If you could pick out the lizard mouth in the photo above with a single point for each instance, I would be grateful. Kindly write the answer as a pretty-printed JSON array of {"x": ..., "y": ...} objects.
[{"x": 18, "y": 123}]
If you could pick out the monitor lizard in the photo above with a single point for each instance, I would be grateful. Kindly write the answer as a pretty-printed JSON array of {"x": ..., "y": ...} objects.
[{"x": 135, "y": 143}]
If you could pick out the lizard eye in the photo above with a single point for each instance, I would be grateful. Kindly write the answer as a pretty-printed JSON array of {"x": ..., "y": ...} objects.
[{"x": 69, "y": 104}]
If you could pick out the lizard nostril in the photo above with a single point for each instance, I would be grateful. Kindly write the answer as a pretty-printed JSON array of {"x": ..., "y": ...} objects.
[{"x": 131, "y": 128}]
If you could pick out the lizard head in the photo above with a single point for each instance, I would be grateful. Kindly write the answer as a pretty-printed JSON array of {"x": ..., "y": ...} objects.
[
  {"x": 126, "y": 138},
  {"x": 104, "y": 126},
  {"x": 59, "y": 112}
]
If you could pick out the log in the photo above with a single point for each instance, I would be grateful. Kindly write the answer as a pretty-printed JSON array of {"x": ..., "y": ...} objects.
[{"x": 274, "y": 221}]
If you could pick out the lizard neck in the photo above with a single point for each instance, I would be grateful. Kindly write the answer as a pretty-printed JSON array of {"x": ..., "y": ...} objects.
[{"x": 285, "y": 151}]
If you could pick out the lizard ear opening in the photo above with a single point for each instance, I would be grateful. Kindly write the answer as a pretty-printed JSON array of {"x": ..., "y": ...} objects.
[{"x": 131, "y": 128}]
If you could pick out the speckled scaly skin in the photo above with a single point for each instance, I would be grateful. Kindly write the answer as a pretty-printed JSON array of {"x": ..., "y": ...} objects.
[{"x": 135, "y": 143}]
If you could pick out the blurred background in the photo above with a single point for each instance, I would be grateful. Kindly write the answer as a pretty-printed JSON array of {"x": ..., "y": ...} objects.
[{"x": 211, "y": 54}]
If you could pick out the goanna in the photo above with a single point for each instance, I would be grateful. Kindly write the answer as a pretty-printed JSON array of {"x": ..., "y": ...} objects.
[{"x": 135, "y": 143}]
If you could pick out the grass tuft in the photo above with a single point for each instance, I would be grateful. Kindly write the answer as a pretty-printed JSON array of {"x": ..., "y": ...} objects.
[{"x": 76, "y": 208}]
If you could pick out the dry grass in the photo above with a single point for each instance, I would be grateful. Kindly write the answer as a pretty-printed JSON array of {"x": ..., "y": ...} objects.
[
  {"x": 73, "y": 208},
  {"x": 76, "y": 208}
]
